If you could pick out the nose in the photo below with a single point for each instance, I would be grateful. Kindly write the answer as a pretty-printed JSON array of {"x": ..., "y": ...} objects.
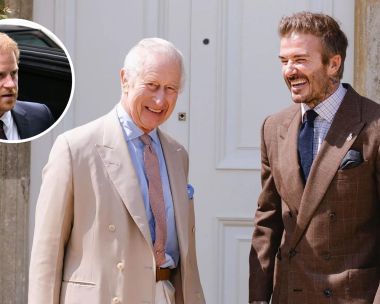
[
  {"x": 289, "y": 69},
  {"x": 9, "y": 82},
  {"x": 159, "y": 95}
]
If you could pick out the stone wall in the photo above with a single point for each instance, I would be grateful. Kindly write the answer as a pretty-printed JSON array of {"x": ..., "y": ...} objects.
[
  {"x": 14, "y": 197},
  {"x": 367, "y": 48},
  {"x": 20, "y": 8},
  {"x": 14, "y": 202}
]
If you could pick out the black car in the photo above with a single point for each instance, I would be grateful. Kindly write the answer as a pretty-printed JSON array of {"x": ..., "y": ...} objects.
[{"x": 44, "y": 69}]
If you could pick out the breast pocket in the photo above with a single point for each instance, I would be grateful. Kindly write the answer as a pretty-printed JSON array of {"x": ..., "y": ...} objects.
[
  {"x": 75, "y": 292},
  {"x": 354, "y": 173}
]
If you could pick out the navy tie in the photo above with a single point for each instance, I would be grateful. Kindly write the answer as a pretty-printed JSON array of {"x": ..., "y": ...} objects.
[
  {"x": 2, "y": 133},
  {"x": 305, "y": 142}
]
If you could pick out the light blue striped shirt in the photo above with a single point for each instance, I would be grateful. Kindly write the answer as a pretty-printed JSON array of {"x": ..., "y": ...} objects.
[{"x": 136, "y": 149}]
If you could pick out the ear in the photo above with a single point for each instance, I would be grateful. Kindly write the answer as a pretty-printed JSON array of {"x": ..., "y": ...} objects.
[
  {"x": 124, "y": 81},
  {"x": 334, "y": 65}
]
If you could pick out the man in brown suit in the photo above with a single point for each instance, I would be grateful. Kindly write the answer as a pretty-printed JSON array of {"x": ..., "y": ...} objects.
[
  {"x": 317, "y": 226},
  {"x": 98, "y": 238}
]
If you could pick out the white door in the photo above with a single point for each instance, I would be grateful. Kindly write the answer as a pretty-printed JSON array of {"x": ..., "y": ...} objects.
[{"x": 235, "y": 83}]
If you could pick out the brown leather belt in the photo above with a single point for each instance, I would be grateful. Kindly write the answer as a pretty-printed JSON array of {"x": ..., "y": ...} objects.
[{"x": 163, "y": 274}]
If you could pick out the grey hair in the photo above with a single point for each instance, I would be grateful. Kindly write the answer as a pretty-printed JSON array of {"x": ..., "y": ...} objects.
[{"x": 135, "y": 59}]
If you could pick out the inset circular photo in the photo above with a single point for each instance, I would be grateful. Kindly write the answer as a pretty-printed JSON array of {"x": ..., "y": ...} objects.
[{"x": 36, "y": 80}]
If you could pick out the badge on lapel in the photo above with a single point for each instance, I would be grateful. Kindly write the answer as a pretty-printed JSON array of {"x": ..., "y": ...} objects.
[
  {"x": 190, "y": 191},
  {"x": 352, "y": 159}
]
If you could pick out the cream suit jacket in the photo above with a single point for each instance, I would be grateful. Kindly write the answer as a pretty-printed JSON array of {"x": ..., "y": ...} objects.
[
  {"x": 91, "y": 241},
  {"x": 319, "y": 243}
]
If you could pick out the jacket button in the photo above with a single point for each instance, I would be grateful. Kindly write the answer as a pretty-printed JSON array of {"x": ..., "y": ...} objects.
[
  {"x": 116, "y": 300},
  {"x": 292, "y": 252},
  {"x": 120, "y": 266},
  {"x": 332, "y": 216},
  {"x": 326, "y": 256},
  {"x": 328, "y": 293},
  {"x": 111, "y": 228}
]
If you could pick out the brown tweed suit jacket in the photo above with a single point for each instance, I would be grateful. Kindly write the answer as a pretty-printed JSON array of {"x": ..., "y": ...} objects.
[{"x": 319, "y": 242}]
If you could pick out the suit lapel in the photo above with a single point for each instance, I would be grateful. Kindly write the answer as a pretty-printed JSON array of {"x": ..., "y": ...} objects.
[
  {"x": 117, "y": 161},
  {"x": 345, "y": 128},
  {"x": 288, "y": 159},
  {"x": 23, "y": 128},
  {"x": 178, "y": 182}
]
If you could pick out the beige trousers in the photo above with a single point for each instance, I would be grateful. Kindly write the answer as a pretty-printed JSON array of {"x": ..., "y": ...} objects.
[{"x": 164, "y": 293}]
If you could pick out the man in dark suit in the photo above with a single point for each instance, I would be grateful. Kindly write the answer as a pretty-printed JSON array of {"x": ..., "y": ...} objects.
[
  {"x": 18, "y": 120},
  {"x": 317, "y": 226}
]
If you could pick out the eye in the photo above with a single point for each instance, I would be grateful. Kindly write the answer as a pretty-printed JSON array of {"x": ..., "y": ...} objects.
[
  {"x": 152, "y": 86},
  {"x": 172, "y": 89},
  {"x": 301, "y": 60}
]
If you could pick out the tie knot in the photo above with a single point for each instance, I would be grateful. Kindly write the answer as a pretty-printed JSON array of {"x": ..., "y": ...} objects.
[
  {"x": 145, "y": 138},
  {"x": 311, "y": 115}
]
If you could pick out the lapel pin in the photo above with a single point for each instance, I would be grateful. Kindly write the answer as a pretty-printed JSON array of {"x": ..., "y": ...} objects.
[{"x": 349, "y": 137}]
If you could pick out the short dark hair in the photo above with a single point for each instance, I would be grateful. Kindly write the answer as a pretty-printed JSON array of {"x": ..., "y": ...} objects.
[{"x": 333, "y": 40}]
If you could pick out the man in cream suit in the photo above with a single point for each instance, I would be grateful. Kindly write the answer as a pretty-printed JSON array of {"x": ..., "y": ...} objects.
[
  {"x": 317, "y": 226},
  {"x": 96, "y": 228}
]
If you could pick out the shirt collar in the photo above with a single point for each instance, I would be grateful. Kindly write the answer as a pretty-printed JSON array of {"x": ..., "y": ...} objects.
[
  {"x": 327, "y": 108},
  {"x": 7, "y": 119},
  {"x": 132, "y": 131}
]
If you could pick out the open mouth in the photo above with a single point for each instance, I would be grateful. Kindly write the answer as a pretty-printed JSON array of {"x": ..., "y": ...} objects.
[
  {"x": 157, "y": 111},
  {"x": 298, "y": 83}
]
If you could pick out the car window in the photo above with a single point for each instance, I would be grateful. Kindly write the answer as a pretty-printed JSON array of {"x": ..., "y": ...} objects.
[{"x": 29, "y": 39}]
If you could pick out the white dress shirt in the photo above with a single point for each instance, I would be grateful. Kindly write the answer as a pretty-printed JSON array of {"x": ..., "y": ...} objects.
[{"x": 10, "y": 128}]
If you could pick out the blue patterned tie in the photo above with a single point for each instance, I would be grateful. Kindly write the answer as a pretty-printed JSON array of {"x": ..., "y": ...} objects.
[{"x": 305, "y": 142}]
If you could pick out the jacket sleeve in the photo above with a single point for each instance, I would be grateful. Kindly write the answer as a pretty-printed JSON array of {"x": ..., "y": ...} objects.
[
  {"x": 268, "y": 226},
  {"x": 53, "y": 221}
]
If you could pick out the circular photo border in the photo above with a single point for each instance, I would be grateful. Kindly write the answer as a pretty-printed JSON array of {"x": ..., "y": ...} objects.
[{"x": 35, "y": 26}]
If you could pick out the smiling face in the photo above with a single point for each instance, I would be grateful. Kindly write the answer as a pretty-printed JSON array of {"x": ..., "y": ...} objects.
[
  {"x": 151, "y": 97},
  {"x": 309, "y": 80},
  {"x": 8, "y": 80}
]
